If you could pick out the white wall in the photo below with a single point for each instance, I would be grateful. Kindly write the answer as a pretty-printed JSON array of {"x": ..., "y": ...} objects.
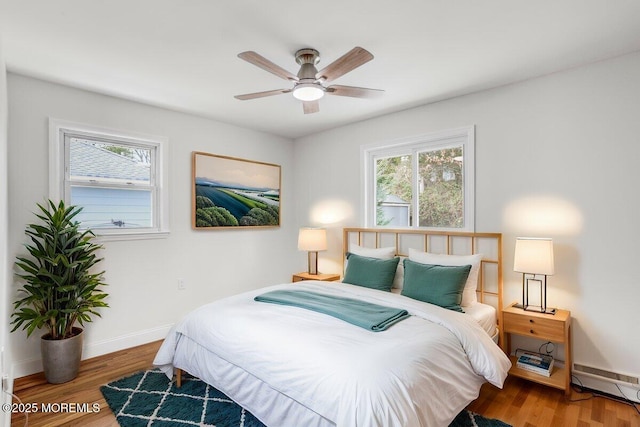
[
  {"x": 4, "y": 274},
  {"x": 556, "y": 156},
  {"x": 142, "y": 274}
]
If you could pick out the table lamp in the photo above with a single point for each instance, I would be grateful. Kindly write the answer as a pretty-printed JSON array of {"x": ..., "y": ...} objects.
[
  {"x": 312, "y": 240},
  {"x": 534, "y": 257}
]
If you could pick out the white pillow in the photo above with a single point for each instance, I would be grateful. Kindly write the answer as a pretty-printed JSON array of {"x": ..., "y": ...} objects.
[
  {"x": 381, "y": 253},
  {"x": 469, "y": 293}
]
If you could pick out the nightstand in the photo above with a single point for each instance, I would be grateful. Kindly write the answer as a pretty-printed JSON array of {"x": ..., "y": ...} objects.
[
  {"x": 299, "y": 277},
  {"x": 555, "y": 328}
]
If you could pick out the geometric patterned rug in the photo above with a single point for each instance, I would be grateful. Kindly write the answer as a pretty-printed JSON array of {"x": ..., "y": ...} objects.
[{"x": 148, "y": 398}]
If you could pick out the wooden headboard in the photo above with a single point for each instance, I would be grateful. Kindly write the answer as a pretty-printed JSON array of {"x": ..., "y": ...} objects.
[{"x": 442, "y": 242}]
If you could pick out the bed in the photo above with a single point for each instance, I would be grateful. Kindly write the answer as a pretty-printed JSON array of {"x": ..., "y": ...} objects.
[{"x": 292, "y": 367}]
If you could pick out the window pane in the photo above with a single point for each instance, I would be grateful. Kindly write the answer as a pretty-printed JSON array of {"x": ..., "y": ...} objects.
[
  {"x": 440, "y": 188},
  {"x": 112, "y": 207},
  {"x": 423, "y": 181},
  {"x": 108, "y": 162},
  {"x": 118, "y": 192},
  {"x": 393, "y": 191}
]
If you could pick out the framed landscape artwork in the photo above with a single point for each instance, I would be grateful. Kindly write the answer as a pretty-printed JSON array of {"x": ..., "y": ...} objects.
[{"x": 230, "y": 192}]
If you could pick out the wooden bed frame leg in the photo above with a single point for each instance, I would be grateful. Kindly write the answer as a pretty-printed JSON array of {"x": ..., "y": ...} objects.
[{"x": 178, "y": 377}]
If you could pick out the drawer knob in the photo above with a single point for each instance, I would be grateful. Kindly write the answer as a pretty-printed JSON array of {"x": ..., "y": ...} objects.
[
  {"x": 530, "y": 320},
  {"x": 531, "y": 330}
]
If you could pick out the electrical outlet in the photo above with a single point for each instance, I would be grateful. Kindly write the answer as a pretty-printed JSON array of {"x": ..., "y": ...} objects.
[{"x": 181, "y": 285}]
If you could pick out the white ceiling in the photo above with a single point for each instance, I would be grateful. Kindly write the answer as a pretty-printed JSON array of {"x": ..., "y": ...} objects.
[{"x": 182, "y": 54}]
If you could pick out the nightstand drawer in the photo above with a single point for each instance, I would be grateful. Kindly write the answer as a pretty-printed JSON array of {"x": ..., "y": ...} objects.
[{"x": 547, "y": 329}]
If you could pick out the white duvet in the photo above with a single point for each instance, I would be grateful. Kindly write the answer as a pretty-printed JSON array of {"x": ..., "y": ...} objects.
[{"x": 420, "y": 372}]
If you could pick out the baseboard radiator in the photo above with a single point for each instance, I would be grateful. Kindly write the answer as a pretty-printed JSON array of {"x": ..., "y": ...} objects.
[{"x": 605, "y": 375}]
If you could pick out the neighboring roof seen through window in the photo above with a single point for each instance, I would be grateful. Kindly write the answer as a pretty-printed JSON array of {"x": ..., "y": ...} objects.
[{"x": 96, "y": 160}]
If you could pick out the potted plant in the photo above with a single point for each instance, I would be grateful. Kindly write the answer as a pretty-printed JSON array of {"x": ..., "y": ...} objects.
[{"x": 60, "y": 290}]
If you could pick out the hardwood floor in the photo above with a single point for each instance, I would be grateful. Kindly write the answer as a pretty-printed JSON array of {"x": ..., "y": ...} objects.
[
  {"x": 520, "y": 403},
  {"x": 84, "y": 389},
  {"x": 525, "y": 404}
]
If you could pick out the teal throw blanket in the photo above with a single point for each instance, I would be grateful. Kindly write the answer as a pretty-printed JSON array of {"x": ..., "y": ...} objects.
[{"x": 369, "y": 316}]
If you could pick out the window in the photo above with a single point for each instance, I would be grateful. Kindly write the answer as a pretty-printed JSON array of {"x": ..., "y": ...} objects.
[
  {"x": 425, "y": 181},
  {"x": 115, "y": 177}
]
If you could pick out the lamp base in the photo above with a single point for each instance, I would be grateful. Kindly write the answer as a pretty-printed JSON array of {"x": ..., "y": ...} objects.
[
  {"x": 313, "y": 263},
  {"x": 536, "y": 309}
]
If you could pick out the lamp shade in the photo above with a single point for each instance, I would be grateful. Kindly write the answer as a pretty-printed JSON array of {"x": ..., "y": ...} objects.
[
  {"x": 534, "y": 256},
  {"x": 312, "y": 239}
]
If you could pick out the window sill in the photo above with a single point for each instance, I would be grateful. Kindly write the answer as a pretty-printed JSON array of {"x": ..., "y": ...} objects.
[{"x": 133, "y": 235}]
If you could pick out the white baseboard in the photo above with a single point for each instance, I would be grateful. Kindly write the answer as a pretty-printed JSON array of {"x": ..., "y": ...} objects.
[
  {"x": 124, "y": 341},
  {"x": 26, "y": 367},
  {"x": 628, "y": 391},
  {"x": 93, "y": 349}
]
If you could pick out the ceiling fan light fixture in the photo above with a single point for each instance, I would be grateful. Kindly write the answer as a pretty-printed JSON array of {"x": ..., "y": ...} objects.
[
  {"x": 308, "y": 92},
  {"x": 309, "y": 83}
]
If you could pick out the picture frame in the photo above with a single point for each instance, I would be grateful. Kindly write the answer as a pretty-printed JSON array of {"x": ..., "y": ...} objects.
[{"x": 234, "y": 193}]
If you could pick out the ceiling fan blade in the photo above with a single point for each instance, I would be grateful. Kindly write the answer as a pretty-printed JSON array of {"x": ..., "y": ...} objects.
[
  {"x": 310, "y": 107},
  {"x": 261, "y": 94},
  {"x": 354, "y": 92},
  {"x": 262, "y": 62},
  {"x": 347, "y": 62}
]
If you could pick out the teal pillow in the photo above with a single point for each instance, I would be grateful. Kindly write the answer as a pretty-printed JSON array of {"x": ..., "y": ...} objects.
[
  {"x": 436, "y": 284},
  {"x": 369, "y": 272}
]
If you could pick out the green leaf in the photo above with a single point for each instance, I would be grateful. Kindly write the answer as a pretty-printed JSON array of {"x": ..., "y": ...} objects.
[{"x": 60, "y": 287}]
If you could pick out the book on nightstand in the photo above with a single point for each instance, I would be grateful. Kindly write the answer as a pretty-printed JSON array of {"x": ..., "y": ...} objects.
[{"x": 541, "y": 364}]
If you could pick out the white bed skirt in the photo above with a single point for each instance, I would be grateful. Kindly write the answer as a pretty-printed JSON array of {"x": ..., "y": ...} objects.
[{"x": 248, "y": 391}]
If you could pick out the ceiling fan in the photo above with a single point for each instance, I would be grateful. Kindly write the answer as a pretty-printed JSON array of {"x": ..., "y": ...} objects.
[{"x": 309, "y": 83}]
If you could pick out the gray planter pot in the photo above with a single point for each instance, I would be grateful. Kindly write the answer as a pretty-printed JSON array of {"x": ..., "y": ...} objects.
[{"x": 61, "y": 358}]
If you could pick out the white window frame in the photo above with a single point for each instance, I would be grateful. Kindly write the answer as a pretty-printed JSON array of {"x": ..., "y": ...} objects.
[
  {"x": 464, "y": 136},
  {"x": 59, "y": 188}
]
